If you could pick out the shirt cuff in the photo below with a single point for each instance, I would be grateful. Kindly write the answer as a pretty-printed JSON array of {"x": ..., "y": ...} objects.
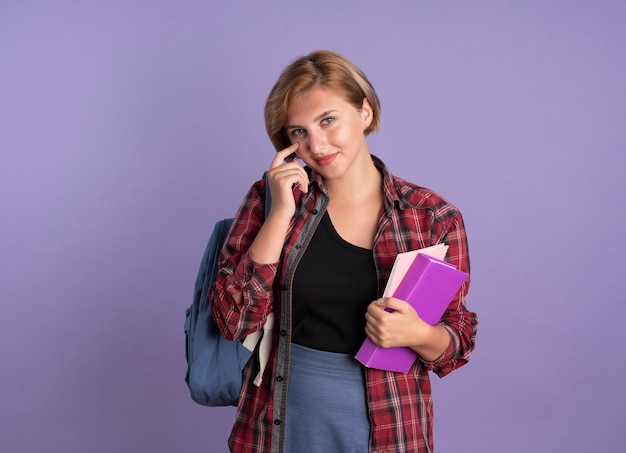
[{"x": 439, "y": 363}]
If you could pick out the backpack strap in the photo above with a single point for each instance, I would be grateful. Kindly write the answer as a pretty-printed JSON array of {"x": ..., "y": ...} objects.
[{"x": 268, "y": 196}]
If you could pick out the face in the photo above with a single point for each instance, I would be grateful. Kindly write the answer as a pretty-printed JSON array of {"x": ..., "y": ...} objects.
[{"x": 329, "y": 130}]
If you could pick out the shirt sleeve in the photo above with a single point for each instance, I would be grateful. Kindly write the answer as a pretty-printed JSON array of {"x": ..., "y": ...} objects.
[
  {"x": 461, "y": 324},
  {"x": 238, "y": 273}
]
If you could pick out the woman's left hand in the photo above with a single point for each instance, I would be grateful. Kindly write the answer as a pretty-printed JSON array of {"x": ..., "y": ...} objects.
[{"x": 400, "y": 327}]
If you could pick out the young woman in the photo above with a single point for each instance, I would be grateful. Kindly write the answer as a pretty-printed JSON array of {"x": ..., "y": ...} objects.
[{"x": 319, "y": 262}]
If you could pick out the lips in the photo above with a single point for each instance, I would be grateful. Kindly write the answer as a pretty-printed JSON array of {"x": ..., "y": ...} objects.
[{"x": 326, "y": 160}]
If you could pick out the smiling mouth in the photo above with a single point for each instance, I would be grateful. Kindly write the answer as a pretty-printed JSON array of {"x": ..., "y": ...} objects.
[{"x": 326, "y": 160}]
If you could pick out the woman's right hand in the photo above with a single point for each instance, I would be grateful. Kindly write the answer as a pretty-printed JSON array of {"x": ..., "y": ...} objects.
[{"x": 282, "y": 177}]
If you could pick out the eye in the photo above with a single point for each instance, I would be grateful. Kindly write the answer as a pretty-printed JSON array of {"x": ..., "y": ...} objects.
[
  {"x": 296, "y": 132},
  {"x": 328, "y": 120}
]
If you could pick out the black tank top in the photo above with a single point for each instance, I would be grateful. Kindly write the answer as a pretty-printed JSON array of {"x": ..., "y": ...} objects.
[{"x": 333, "y": 285}]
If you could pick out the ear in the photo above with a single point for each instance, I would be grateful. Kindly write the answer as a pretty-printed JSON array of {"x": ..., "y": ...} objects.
[{"x": 367, "y": 113}]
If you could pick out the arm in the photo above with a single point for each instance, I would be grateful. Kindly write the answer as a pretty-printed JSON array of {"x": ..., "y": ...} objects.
[
  {"x": 442, "y": 347},
  {"x": 460, "y": 323},
  {"x": 240, "y": 280},
  {"x": 242, "y": 294},
  {"x": 404, "y": 328},
  {"x": 282, "y": 177}
]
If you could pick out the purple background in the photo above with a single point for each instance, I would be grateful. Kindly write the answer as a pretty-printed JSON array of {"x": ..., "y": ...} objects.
[{"x": 127, "y": 128}]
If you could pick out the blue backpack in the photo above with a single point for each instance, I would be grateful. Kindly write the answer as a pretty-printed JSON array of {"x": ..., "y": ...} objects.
[{"x": 214, "y": 364}]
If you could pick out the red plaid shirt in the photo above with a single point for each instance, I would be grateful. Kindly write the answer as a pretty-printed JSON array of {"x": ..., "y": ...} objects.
[{"x": 399, "y": 405}]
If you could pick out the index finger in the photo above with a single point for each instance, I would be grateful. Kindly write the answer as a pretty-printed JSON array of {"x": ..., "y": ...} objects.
[{"x": 281, "y": 155}]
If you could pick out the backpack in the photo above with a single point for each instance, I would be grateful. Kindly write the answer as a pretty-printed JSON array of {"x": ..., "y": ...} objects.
[{"x": 214, "y": 364}]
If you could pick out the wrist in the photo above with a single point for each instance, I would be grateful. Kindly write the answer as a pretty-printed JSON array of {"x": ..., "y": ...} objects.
[{"x": 432, "y": 342}]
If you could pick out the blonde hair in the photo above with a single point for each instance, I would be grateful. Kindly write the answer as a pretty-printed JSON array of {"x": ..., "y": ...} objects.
[{"x": 322, "y": 68}]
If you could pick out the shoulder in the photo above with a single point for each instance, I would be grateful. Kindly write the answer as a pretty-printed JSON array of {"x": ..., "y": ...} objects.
[
  {"x": 256, "y": 194},
  {"x": 404, "y": 195},
  {"x": 414, "y": 196},
  {"x": 429, "y": 209}
]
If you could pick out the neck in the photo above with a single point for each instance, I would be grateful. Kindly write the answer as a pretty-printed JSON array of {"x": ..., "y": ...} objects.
[{"x": 360, "y": 185}]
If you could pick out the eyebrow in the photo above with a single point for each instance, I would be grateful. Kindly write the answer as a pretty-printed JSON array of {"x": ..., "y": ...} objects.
[{"x": 317, "y": 118}]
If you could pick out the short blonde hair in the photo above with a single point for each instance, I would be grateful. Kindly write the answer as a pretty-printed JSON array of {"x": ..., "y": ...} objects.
[{"x": 322, "y": 68}]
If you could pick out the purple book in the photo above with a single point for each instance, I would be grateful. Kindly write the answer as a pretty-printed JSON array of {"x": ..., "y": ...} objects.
[{"x": 429, "y": 285}]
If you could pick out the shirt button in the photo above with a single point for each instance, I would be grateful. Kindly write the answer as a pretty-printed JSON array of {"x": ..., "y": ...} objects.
[
  {"x": 283, "y": 287},
  {"x": 298, "y": 246},
  {"x": 314, "y": 211},
  {"x": 283, "y": 333},
  {"x": 277, "y": 422},
  {"x": 279, "y": 379}
]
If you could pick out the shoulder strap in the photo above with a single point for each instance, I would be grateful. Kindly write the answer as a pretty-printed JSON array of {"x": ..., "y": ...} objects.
[{"x": 268, "y": 196}]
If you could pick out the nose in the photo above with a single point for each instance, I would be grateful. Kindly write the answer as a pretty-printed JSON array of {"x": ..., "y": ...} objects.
[{"x": 316, "y": 141}]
